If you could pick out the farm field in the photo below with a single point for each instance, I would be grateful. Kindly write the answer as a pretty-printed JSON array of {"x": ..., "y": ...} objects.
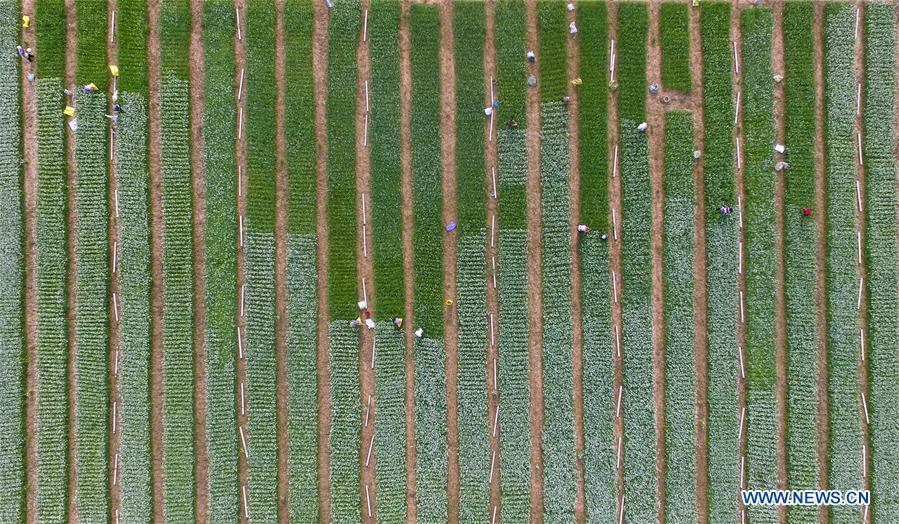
[{"x": 472, "y": 261}]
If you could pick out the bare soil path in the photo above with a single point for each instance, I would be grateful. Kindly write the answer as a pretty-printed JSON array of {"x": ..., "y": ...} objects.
[
  {"x": 450, "y": 320},
  {"x": 365, "y": 269},
  {"x": 491, "y": 250},
  {"x": 198, "y": 181},
  {"x": 320, "y": 81},
  {"x": 405, "y": 44},
  {"x": 29, "y": 176},
  {"x": 156, "y": 293},
  {"x": 535, "y": 270},
  {"x": 700, "y": 305},
  {"x": 655, "y": 114},
  {"x": 615, "y": 204}
]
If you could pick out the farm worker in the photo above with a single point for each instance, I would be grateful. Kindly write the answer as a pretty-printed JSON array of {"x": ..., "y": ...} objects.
[
  {"x": 642, "y": 127},
  {"x": 89, "y": 88},
  {"x": 806, "y": 212},
  {"x": 29, "y": 54},
  {"x": 725, "y": 210},
  {"x": 570, "y": 7},
  {"x": 451, "y": 226},
  {"x": 366, "y": 314},
  {"x": 488, "y": 110},
  {"x": 566, "y": 100},
  {"x": 356, "y": 322},
  {"x": 604, "y": 236},
  {"x": 20, "y": 51},
  {"x": 572, "y": 29},
  {"x": 114, "y": 117},
  {"x": 419, "y": 332},
  {"x": 495, "y": 104},
  {"x": 369, "y": 323},
  {"x": 582, "y": 228},
  {"x": 512, "y": 123},
  {"x": 532, "y": 57},
  {"x": 117, "y": 108},
  {"x": 397, "y": 321}
]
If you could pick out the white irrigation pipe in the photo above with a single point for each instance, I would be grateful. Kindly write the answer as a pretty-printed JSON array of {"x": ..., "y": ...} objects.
[
  {"x": 113, "y": 416},
  {"x": 494, "y": 515},
  {"x": 618, "y": 464},
  {"x": 365, "y": 132},
  {"x": 742, "y": 419},
  {"x": 621, "y": 514},
  {"x": 612, "y": 61},
  {"x": 614, "y": 286},
  {"x": 365, "y": 39},
  {"x": 239, "y": 343},
  {"x": 494, "y": 272},
  {"x": 858, "y": 236},
  {"x": 367, "y": 410},
  {"x": 864, "y": 462},
  {"x": 865, "y": 405},
  {"x": 364, "y": 220},
  {"x": 861, "y": 333},
  {"x": 491, "y": 343},
  {"x": 240, "y": 124},
  {"x": 493, "y": 171},
  {"x": 115, "y": 306},
  {"x": 243, "y": 400},
  {"x": 243, "y": 441},
  {"x": 618, "y": 341},
  {"x": 614, "y": 225},
  {"x": 740, "y": 208},
  {"x": 737, "y": 109},
  {"x": 858, "y": 194},
  {"x": 116, "y": 363},
  {"x": 366, "y": 96},
  {"x": 857, "y": 13},
  {"x": 492, "y": 230},
  {"x": 615, "y": 163},
  {"x": 246, "y": 506},
  {"x": 240, "y": 86},
  {"x": 240, "y": 220},
  {"x": 112, "y": 28},
  {"x": 115, "y": 256},
  {"x": 861, "y": 283},
  {"x": 364, "y": 289},
  {"x": 739, "y": 157},
  {"x": 367, "y": 496},
  {"x": 492, "y": 95},
  {"x": 865, "y": 519},
  {"x": 237, "y": 20},
  {"x": 618, "y": 409},
  {"x": 115, "y": 470},
  {"x": 861, "y": 160},
  {"x": 740, "y": 259},
  {"x": 858, "y": 99},
  {"x": 736, "y": 60},
  {"x": 364, "y": 244},
  {"x": 742, "y": 318},
  {"x": 116, "y": 197},
  {"x": 495, "y": 383},
  {"x": 492, "y": 464},
  {"x": 742, "y": 369},
  {"x": 116, "y": 516},
  {"x": 371, "y": 445},
  {"x": 495, "y": 421},
  {"x": 490, "y": 134},
  {"x": 373, "y": 340},
  {"x": 742, "y": 471},
  {"x": 243, "y": 299}
]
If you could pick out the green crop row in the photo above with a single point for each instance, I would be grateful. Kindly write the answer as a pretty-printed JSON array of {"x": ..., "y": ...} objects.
[
  {"x": 343, "y": 341},
  {"x": 800, "y": 253},
  {"x": 92, "y": 27},
  {"x": 559, "y": 484},
  {"x": 131, "y": 38},
  {"x": 12, "y": 385},
  {"x": 343, "y": 32},
  {"x": 92, "y": 313},
  {"x": 259, "y": 127},
  {"x": 675, "y": 46},
  {"x": 592, "y": 21},
  {"x": 470, "y": 100},
  {"x": 390, "y": 408},
  {"x": 50, "y": 36},
  {"x": 680, "y": 374},
  {"x": 510, "y": 90},
  {"x": 134, "y": 301},
  {"x": 759, "y": 214},
  {"x": 177, "y": 263},
  {"x": 431, "y": 450},
  {"x": 845, "y": 415},
  {"x": 52, "y": 261},
  {"x": 639, "y": 457},
  {"x": 427, "y": 171},
  {"x": 384, "y": 141},
  {"x": 721, "y": 259},
  {"x": 880, "y": 213},
  {"x": 302, "y": 269},
  {"x": 552, "y": 56},
  {"x": 220, "y": 177}
]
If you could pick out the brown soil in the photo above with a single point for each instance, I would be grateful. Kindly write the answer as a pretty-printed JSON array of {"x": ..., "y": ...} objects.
[
  {"x": 405, "y": 44},
  {"x": 820, "y": 294},
  {"x": 156, "y": 235},
  {"x": 198, "y": 180},
  {"x": 699, "y": 276},
  {"x": 535, "y": 272},
  {"x": 491, "y": 252},
  {"x": 29, "y": 143},
  {"x": 320, "y": 79},
  {"x": 656, "y": 137},
  {"x": 281, "y": 384},
  {"x": 615, "y": 254},
  {"x": 780, "y": 300},
  {"x": 240, "y": 367},
  {"x": 365, "y": 268},
  {"x": 451, "y": 329},
  {"x": 577, "y": 339},
  {"x": 72, "y": 269}
]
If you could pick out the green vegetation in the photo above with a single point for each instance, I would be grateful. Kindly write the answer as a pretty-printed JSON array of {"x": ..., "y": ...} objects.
[
  {"x": 302, "y": 269},
  {"x": 845, "y": 412},
  {"x": 510, "y": 90},
  {"x": 93, "y": 31},
  {"x": 594, "y": 151},
  {"x": 721, "y": 259},
  {"x": 880, "y": 252},
  {"x": 800, "y": 254},
  {"x": 675, "y": 44},
  {"x": 12, "y": 350},
  {"x": 131, "y": 35},
  {"x": 639, "y": 455},
  {"x": 680, "y": 360},
  {"x": 50, "y": 35},
  {"x": 552, "y": 56},
  {"x": 177, "y": 263}
]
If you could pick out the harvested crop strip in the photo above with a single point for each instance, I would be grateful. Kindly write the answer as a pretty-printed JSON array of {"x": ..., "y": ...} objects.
[
  {"x": 800, "y": 252},
  {"x": 12, "y": 383},
  {"x": 880, "y": 213},
  {"x": 639, "y": 457},
  {"x": 845, "y": 414},
  {"x": 675, "y": 44},
  {"x": 220, "y": 174},
  {"x": 722, "y": 251},
  {"x": 759, "y": 214},
  {"x": 302, "y": 275}
]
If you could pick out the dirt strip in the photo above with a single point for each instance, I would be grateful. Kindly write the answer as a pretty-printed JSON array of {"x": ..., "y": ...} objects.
[
  {"x": 450, "y": 320},
  {"x": 157, "y": 379},
  {"x": 822, "y": 416},
  {"x": 240, "y": 367},
  {"x": 615, "y": 205},
  {"x": 491, "y": 250},
  {"x": 72, "y": 267},
  {"x": 320, "y": 80},
  {"x": 198, "y": 182},
  {"x": 737, "y": 39},
  {"x": 366, "y": 286},
  {"x": 577, "y": 338},
  {"x": 115, "y": 397},
  {"x": 29, "y": 177},
  {"x": 281, "y": 385},
  {"x": 535, "y": 271},
  {"x": 655, "y": 114},
  {"x": 405, "y": 44},
  {"x": 862, "y": 269},
  {"x": 700, "y": 274},
  {"x": 780, "y": 299}
]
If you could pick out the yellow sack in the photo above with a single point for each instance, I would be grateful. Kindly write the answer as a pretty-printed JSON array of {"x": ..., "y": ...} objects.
[
  {"x": 26, "y": 21},
  {"x": 577, "y": 81},
  {"x": 69, "y": 111},
  {"x": 114, "y": 70}
]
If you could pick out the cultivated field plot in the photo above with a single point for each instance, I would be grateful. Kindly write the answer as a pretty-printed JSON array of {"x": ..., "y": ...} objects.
[{"x": 448, "y": 261}]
